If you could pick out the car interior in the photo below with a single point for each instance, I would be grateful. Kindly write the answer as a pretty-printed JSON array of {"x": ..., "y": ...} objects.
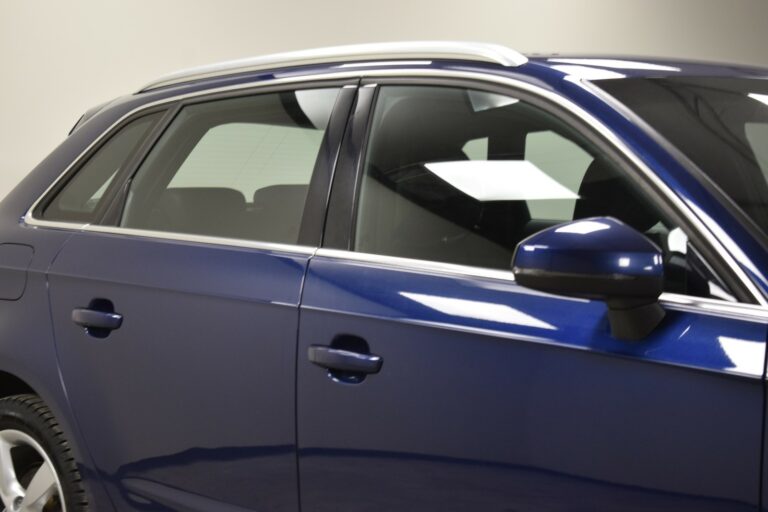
[
  {"x": 270, "y": 213},
  {"x": 408, "y": 211}
]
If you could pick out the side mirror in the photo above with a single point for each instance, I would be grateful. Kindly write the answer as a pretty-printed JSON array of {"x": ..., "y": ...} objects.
[{"x": 598, "y": 258}]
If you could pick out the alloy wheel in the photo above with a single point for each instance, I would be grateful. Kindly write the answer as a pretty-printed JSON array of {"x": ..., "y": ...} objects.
[{"x": 28, "y": 479}]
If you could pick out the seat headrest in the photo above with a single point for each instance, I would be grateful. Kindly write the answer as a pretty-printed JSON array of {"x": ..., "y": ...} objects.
[
  {"x": 605, "y": 192},
  {"x": 290, "y": 196},
  {"x": 420, "y": 129},
  {"x": 226, "y": 198},
  {"x": 201, "y": 210}
]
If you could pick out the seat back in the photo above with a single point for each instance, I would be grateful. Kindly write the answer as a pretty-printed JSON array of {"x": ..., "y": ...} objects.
[
  {"x": 199, "y": 210},
  {"x": 276, "y": 213}
]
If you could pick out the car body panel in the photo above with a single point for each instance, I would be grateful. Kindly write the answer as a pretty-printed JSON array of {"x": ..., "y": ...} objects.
[
  {"x": 195, "y": 390},
  {"x": 691, "y": 398},
  {"x": 27, "y": 348},
  {"x": 495, "y": 397}
]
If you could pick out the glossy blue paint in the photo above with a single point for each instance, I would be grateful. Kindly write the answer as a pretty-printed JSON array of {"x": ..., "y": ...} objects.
[
  {"x": 197, "y": 384},
  {"x": 597, "y": 246},
  {"x": 27, "y": 348},
  {"x": 511, "y": 399},
  {"x": 491, "y": 396}
]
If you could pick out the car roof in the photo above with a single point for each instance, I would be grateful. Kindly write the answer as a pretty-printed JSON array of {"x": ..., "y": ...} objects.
[{"x": 596, "y": 67}]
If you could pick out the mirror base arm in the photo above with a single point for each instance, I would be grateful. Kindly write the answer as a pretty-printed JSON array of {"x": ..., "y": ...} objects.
[{"x": 634, "y": 321}]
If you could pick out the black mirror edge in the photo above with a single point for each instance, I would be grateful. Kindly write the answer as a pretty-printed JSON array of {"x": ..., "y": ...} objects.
[{"x": 629, "y": 319}]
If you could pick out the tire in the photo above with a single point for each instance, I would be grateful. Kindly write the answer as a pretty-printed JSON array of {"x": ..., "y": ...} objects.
[{"x": 37, "y": 468}]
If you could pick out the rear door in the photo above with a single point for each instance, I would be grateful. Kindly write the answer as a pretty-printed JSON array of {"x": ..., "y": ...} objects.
[
  {"x": 429, "y": 380},
  {"x": 176, "y": 324}
]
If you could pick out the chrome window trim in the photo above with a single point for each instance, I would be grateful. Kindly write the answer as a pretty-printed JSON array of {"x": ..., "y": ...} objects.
[
  {"x": 182, "y": 237},
  {"x": 393, "y": 51},
  {"x": 750, "y": 312},
  {"x": 514, "y": 83},
  {"x": 399, "y": 262},
  {"x": 203, "y": 239}
]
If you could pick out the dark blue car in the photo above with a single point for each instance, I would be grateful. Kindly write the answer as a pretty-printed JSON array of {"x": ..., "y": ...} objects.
[{"x": 424, "y": 276}]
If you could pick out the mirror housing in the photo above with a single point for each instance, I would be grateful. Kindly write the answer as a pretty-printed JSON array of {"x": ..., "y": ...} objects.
[{"x": 598, "y": 258}]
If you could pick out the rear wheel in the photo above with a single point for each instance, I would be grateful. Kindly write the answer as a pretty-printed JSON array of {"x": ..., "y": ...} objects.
[{"x": 37, "y": 470}]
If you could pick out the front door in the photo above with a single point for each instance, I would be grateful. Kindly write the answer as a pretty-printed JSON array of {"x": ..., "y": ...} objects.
[{"x": 429, "y": 380}]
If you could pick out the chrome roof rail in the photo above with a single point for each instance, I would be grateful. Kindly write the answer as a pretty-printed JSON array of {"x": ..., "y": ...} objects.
[{"x": 421, "y": 50}]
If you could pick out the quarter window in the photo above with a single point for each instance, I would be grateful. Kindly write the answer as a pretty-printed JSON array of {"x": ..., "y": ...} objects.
[
  {"x": 461, "y": 176},
  {"x": 79, "y": 198},
  {"x": 236, "y": 168}
]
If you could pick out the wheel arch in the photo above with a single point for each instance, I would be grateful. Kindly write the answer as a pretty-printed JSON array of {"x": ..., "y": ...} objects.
[{"x": 12, "y": 385}]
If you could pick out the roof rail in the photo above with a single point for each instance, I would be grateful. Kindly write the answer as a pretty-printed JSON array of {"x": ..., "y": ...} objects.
[{"x": 425, "y": 50}]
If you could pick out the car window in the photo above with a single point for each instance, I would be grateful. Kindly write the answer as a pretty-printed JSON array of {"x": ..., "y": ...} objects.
[
  {"x": 236, "y": 168},
  {"x": 460, "y": 176},
  {"x": 77, "y": 201},
  {"x": 719, "y": 123}
]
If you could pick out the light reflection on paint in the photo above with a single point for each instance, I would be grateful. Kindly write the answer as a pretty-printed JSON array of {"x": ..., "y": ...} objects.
[
  {"x": 616, "y": 64},
  {"x": 587, "y": 73},
  {"x": 478, "y": 310},
  {"x": 746, "y": 356},
  {"x": 583, "y": 227},
  {"x": 687, "y": 328},
  {"x": 533, "y": 247},
  {"x": 624, "y": 262}
]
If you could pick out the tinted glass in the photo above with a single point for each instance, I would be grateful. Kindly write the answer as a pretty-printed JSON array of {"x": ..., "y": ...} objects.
[
  {"x": 237, "y": 168},
  {"x": 462, "y": 176},
  {"x": 721, "y": 124},
  {"x": 78, "y": 200}
]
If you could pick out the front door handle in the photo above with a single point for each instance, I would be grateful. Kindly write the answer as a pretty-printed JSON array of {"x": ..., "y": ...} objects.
[
  {"x": 336, "y": 359},
  {"x": 97, "y": 322}
]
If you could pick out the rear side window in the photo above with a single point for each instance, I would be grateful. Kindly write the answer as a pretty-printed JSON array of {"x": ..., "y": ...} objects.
[
  {"x": 234, "y": 168},
  {"x": 78, "y": 199}
]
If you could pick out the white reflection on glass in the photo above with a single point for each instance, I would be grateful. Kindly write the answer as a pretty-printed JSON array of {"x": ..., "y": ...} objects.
[
  {"x": 583, "y": 227},
  {"x": 762, "y": 98},
  {"x": 500, "y": 180},
  {"x": 718, "y": 293},
  {"x": 725, "y": 239},
  {"x": 478, "y": 310},
  {"x": 485, "y": 100},
  {"x": 624, "y": 262},
  {"x": 677, "y": 241},
  {"x": 616, "y": 64},
  {"x": 746, "y": 356},
  {"x": 317, "y": 105},
  {"x": 587, "y": 73},
  {"x": 533, "y": 247}
]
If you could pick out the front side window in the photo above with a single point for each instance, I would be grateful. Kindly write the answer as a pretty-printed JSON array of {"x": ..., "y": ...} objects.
[
  {"x": 236, "y": 168},
  {"x": 461, "y": 176}
]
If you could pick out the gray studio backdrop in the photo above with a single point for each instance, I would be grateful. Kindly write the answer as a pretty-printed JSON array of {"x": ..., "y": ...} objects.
[{"x": 58, "y": 58}]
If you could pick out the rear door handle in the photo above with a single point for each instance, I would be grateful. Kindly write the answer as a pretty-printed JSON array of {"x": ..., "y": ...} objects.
[
  {"x": 344, "y": 360},
  {"x": 93, "y": 319}
]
